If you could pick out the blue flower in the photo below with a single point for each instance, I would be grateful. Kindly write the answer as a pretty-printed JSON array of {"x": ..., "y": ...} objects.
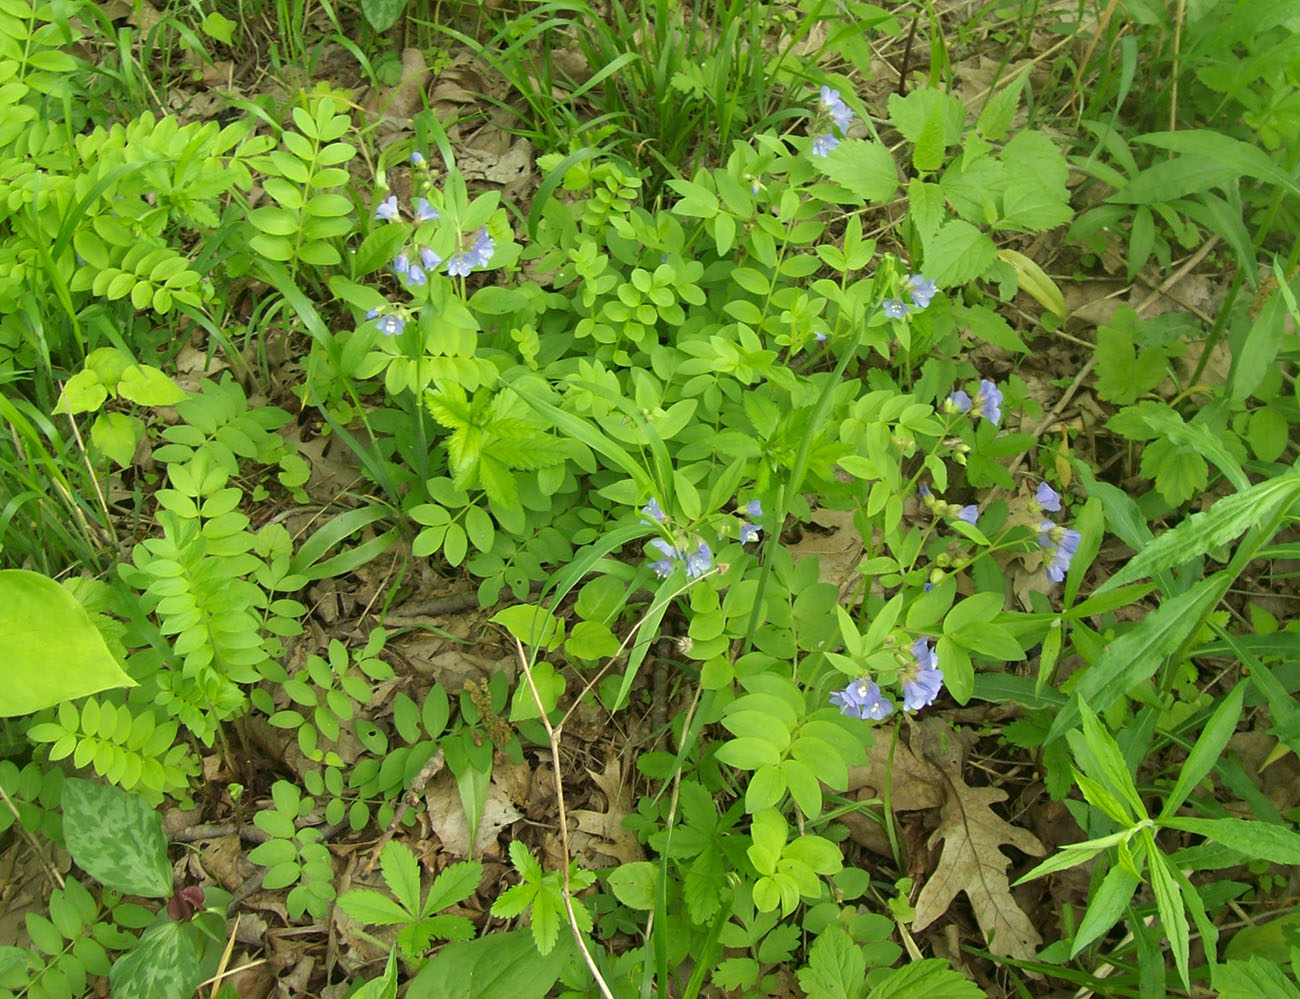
[
  {"x": 1061, "y": 544},
  {"x": 923, "y": 290},
  {"x": 970, "y": 513},
  {"x": 416, "y": 275},
  {"x": 417, "y": 158},
  {"x": 654, "y": 511},
  {"x": 478, "y": 255},
  {"x": 425, "y": 212},
  {"x": 372, "y": 313},
  {"x": 663, "y": 567},
  {"x": 1047, "y": 498},
  {"x": 989, "y": 401},
  {"x": 754, "y": 508},
  {"x": 923, "y": 679},
  {"x": 391, "y": 325},
  {"x": 862, "y": 699},
  {"x": 821, "y": 337},
  {"x": 894, "y": 308},
  {"x": 387, "y": 209},
  {"x": 402, "y": 264},
  {"x": 748, "y": 533},
  {"x": 430, "y": 259},
  {"x": 699, "y": 562},
  {"x": 823, "y": 144},
  {"x": 833, "y": 105},
  {"x": 959, "y": 401}
]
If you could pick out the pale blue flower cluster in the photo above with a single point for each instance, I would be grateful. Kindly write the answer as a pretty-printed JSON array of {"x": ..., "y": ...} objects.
[
  {"x": 987, "y": 402},
  {"x": 1060, "y": 543},
  {"x": 693, "y": 554},
  {"x": 921, "y": 681},
  {"x": 478, "y": 255},
  {"x": 922, "y": 291},
  {"x": 415, "y": 272},
  {"x": 831, "y": 110}
]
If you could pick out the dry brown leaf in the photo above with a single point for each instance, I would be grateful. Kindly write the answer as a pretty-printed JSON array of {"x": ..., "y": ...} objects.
[
  {"x": 973, "y": 862},
  {"x": 609, "y": 836},
  {"x": 839, "y": 551},
  {"x": 447, "y": 817}
]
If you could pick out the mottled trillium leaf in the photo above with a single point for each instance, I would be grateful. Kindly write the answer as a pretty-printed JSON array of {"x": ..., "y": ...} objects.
[
  {"x": 116, "y": 838},
  {"x": 163, "y": 965}
]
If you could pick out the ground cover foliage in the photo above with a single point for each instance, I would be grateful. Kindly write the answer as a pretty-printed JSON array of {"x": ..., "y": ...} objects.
[{"x": 648, "y": 499}]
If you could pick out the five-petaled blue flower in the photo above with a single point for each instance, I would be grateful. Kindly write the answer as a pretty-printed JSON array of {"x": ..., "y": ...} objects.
[
  {"x": 922, "y": 288},
  {"x": 862, "y": 699},
  {"x": 1047, "y": 498},
  {"x": 923, "y": 679},
  {"x": 425, "y": 212},
  {"x": 833, "y": 105},
  {"x": 754, "y": 508},
  {"x": 390, "y": 325},
  {"x": 654, "y": 511},
  {"x": 895, "y": 308},
  {"x": 969, "y": 513},
  {"x": 430, "y": 259},
  {"x": 417, "y": 158},
  {"x": 748, "y": 533},
  {"x": 416, "y": 276},
  {"x": 662, "y": 567},
  {"x": 699, "y": 562},
  {"x": 989, "y": 401},
  {"x": 387, "y": 209},
  {"x": 478, "y": 255},
  {"x": 402, "y": 264},
  {"x": 823, "y": 144}
]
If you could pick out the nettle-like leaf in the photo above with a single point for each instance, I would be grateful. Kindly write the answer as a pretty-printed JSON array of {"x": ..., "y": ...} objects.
[{"x": 116, "y": 838}]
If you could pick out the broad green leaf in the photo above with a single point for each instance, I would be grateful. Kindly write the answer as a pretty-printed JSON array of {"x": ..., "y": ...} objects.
[
  {"x": 501, "y": 965},
  {"x": 959, "y": 253},
  {"x": 116, "y": 838},
  {"x": 864, "y": 168},
  {"x": 163, "y": 965},
  {"x": 634, "y": 884},
  {"x": 115, "y": 435},
  {"x": 932, "y": 979},
  {"x": 84, "y": 392},
  {"x": 533, "y": 626},
  {"x": 51, "y": 649},
  {"x": 836, "y": 967},
  {"x": 147, "y": 386}
]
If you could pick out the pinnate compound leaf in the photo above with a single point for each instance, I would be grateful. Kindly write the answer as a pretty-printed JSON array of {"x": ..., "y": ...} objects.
[
  {"x": 116, "y": 838},
  {"x": 972, "y": 861},
  {"x": 51, "y": 649},
  {"x": 163, "y": 965},
  {"x": 836, "y": 967}
]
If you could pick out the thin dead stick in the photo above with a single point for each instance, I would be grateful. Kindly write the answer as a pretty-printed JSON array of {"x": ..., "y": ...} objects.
[
  {"x": 553, "y": 737},
  {"x": 1086, "y": 370},
  {"x": 412, "y": 798},
  {"x": 50, "y": 870}
]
